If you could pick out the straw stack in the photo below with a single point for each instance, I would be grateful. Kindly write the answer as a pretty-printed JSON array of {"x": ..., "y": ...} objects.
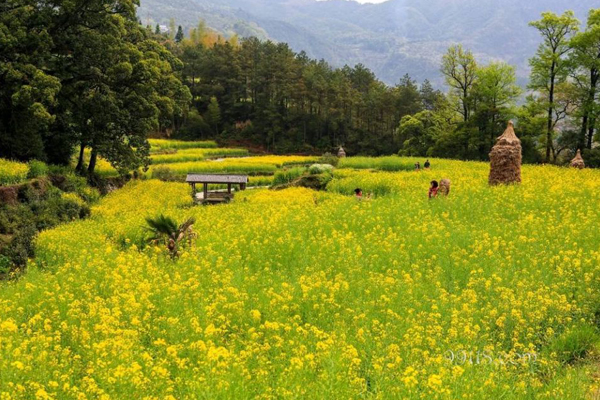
[
  {"x": 578, "y": 162},
  {"x": 505, "y": 158}
]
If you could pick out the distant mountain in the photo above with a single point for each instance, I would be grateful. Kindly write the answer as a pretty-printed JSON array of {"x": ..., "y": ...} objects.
[{"x": 391, "y": 38}]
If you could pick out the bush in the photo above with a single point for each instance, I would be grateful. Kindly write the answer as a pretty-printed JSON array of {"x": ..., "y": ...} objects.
[
  {"x": 592, "y": 157},
  {"x": 287, "y": 175},
  {"x": 37, "y": 169},
  {"x": 21, "y": 247},
  {"x": 164, "y": 174},
  {"x": 575, "y": 344},
  {"x": 330, "y": 159},
  {"x": 317, "y": 169},
  {"x": 90, "y": 195}
]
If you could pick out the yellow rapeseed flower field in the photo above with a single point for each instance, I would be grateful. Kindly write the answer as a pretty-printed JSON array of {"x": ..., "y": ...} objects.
[
  {"x": 12, "y": 172},
  {"x": 303, "y": 294}
]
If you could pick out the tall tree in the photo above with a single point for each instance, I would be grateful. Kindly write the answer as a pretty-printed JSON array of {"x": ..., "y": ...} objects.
[
  {"x": 213, "y": 114},
  {"x": 495, "y": 91},
  {"x": 180, "y": 36},
  {"x": 585, "y": 59},
  {"x": 459, "y": 68},
  {"x": 549, "y": 67},
  {"x": 172, "y": 28},
  {"x": 28, "y": 90}
]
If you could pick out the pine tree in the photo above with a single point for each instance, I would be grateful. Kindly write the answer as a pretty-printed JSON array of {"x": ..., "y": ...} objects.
[{"x": 179, "y": 37}]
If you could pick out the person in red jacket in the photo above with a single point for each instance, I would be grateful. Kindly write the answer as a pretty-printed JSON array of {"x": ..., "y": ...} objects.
[{"x": 433, "y": 189}]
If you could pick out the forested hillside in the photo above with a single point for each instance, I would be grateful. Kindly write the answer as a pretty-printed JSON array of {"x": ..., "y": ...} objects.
[
  {"x": 392, "y": 38},
  {"x": 100, "y": 82}
]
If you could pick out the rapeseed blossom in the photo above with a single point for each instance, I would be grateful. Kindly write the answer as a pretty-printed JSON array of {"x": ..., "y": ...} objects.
[{"x": 298, "y": 293}]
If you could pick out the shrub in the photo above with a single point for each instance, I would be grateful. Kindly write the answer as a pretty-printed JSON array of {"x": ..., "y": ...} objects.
[
  {"x": 5, "y": 264},
  {"x": 37, "y": 169},
  {"x": 90, "y": 195},
  {"x": 592, "y": 158},
  {"x": 317, "y": 169},
  {"x": 164, "y": 174},
  {"x": 330, "y": 159},
  {"x": 21, "y": 248},
  {"x": 287, "y": 175}
]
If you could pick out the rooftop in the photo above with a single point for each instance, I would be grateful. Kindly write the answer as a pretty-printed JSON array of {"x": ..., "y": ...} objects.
[{"x": 216, "y": 178}]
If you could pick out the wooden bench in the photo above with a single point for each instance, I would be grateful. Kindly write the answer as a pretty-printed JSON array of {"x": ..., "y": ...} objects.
[{"x": 216, "y": 179}]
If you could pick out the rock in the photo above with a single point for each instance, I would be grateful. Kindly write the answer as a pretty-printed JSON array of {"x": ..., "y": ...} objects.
[{"x": 505, "y": 158}]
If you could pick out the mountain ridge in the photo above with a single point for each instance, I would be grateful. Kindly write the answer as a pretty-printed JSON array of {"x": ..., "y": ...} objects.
[{"x": 391, "y": 38}]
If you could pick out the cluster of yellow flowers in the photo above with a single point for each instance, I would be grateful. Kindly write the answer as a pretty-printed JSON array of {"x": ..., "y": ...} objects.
[
  {"x": 297, "y": 293},
  {"x": 12, "y": 172}
]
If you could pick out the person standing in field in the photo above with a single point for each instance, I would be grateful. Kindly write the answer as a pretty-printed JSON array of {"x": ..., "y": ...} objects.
[
  {"x": 358, "y": 193},
  {"x": 433, "y": 189},
  {"x": 418, "y": 166},
  {"x": 427, "y": 164}
]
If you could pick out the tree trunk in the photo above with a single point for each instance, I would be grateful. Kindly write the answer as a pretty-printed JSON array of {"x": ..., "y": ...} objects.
[
  {"x": 80, "y": 161},
  {"x": 93, "y": 158},
  {"x": 595, "y": 77},
  {"x": 550, "y": 110},
  {"x": 465, "y": 107}
]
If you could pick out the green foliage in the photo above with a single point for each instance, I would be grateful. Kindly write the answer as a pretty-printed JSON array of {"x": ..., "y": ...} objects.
[
  {"x": 550, "y": 67},
  {"x": 166, "y": 231},
  {"x": 460, "y": 70},
  {"x": 37, "y": 169},
  {"x": 391, "y": 163},
  {"x": 42, "y": 206},
  {"x": 330, "y": 159},
  {"x": 287, "y": 175},
  {"x": 574, "y": 344},
  {"x": 165, "y": 174},
  {"x": 96, "y": 78}
]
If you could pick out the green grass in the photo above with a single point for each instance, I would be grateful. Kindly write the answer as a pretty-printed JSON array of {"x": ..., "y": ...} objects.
[
  {"x": 391, "y": 163},
  {"x": 167, "y": 144},
  {"x": 187, "y": 155}
]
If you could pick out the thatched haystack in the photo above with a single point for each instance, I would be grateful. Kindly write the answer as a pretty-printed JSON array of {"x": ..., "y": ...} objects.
[
  {"x": 505, "y": 158},
  {"x": 444, "y": 189},
  {"x": 578, "y": 162},
  {"x": 341, "y": 153}
]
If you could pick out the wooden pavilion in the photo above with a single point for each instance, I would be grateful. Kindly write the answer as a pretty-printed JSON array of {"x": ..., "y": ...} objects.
[{"x": 216, "y": 179}]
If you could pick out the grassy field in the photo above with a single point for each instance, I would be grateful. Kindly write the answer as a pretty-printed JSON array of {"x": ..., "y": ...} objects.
[
  {"x": 182, "y": 158},
  {"x": 302, "y": 294},
  {"x": 259, "y": 165},
  {"x": 158, "y": 145}
]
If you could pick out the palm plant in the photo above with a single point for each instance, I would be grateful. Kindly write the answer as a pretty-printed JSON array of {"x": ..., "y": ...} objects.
[{"x": 165, "y": 230}]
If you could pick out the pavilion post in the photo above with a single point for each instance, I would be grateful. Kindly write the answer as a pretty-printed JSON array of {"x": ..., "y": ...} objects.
[
  {"x": 205, "y": 191},
  {"x": 229, "y": 188}
]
